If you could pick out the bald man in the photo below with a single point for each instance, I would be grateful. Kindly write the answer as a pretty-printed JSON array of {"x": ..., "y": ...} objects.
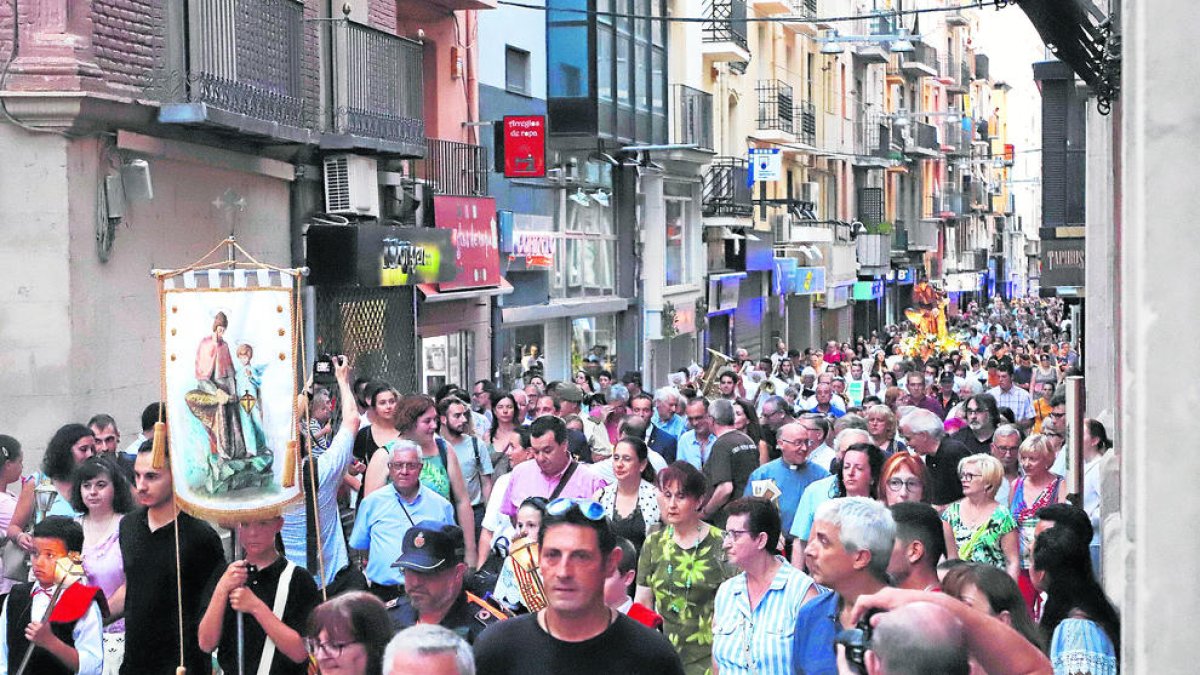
[{"x": 917, "y": 639}]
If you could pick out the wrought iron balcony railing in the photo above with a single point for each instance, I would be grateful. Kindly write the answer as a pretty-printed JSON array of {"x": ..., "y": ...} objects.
[
  {"x": 377, "y": 84},
  {"x": 808, "y": 123},
  {"x": 925, "y": 135},
  {"x": 692, "y": 117},
  {"x": 726, "y": 192},
  {"x": 775, "y": 106},
  {"x": 455, "y": 168},
  {"x": 244, "y": 57},
  {"x": 728, "y": 24}
]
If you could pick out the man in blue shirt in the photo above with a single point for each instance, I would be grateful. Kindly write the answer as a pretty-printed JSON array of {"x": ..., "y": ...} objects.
[
  {"x": 791, "y": 473},
  {"x": 387, "y": 513},
  {"x": 330, "y": 466},
  {"x": 666, "y": 401},
  {"x": 848, "y": 552},
  {"x": 696, "y": 443}
]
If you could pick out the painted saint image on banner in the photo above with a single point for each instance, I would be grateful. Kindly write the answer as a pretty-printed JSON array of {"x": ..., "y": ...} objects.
[{"x": 226, "y": 401}]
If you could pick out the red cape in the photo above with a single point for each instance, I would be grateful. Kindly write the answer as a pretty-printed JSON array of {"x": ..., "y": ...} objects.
[{"x": 74, "y": 601}]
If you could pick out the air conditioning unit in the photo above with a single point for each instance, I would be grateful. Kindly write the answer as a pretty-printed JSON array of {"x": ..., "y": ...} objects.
[
  {"x": 781, "y": 225},
  {"x": 351, "y": 185}
]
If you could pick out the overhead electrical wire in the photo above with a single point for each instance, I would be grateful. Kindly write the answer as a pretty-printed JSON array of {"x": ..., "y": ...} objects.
[{"x": 998, "y": 4}]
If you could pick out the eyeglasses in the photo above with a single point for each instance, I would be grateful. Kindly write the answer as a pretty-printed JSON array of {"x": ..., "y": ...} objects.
[
  {"x": 1005, "y": 451},
  {"x": 975, "y": 410},
  {"x": 331, "y": 649},
  {"x": 405, "y": 466},
  {"x": 898, "y": 484},
  {"x": 589, "y": 508},
  {"x": 733, "y": 534},
  {"x": 967, "y": 476},
  {"x": 799, "y": 443}
]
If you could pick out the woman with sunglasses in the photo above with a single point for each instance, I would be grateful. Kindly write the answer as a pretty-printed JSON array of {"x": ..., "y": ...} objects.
[
  {"x": 348, "y": 634},
  {"x": 977, "y": 527},
  {"x": 683, "y": 565},
  {"x": 755, "y": 612}
]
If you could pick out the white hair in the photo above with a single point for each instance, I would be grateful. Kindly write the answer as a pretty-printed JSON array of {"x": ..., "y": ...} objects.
[
  {"x": 618, "y": 392},
  {"x": 863, "y": 525},
  {"x": 425, "y": 638},
  {"x": 662, "y": 394},
  {"x": 922, "y": 421},
  {"x": 845, "y": 434},
  {"x": 402, "y": 444}
]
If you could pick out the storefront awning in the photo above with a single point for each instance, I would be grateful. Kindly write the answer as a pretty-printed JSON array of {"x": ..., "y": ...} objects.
[
  {"x": 432, "y": 294},
  {"x": 559, "y": 309}
]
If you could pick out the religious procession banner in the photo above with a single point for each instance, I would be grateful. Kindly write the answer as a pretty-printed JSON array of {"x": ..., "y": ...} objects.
[{"x": 229, "y": 341}]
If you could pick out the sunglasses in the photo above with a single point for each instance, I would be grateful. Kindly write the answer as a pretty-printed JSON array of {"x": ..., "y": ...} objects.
[{"x": 589, "y": 508}]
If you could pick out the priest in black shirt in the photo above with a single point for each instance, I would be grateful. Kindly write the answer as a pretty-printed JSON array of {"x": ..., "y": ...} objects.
[
  {"x": 577, "y": 633},
  {"x": 275, "y": 598},
  {"x": 147, "y": 538}
]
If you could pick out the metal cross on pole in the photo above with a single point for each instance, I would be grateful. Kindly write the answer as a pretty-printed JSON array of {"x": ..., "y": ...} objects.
[{"x": 230, "y": 203}]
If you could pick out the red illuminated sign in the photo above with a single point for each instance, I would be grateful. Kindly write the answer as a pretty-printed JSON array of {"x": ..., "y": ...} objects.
[
  {"x": 472, "y": 225},
  {"x": 525, "y": 146}
]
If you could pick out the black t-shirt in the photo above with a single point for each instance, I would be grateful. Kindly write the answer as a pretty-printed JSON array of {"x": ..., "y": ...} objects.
[
  {"x": 973, "y": 444},
  {"x": 303, "y": 596},
  {"x": 944, "y": 486},
  {"x": 1022, "y": 374},
  {"x": 520, "y": 647},
  {"x": 151, "y": 612},
  {"x": 771, "y": 438},
  {"x": 734, "y": 457}
]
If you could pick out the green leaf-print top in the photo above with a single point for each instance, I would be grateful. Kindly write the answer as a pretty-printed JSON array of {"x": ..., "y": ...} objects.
[{"x": 685, "y": 582}]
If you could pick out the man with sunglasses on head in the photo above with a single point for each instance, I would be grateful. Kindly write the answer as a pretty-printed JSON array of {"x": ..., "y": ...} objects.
[{"x": 577, "y": 632}]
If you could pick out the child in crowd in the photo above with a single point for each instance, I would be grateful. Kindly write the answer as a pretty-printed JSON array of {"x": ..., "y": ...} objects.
[{"x": 71, "y": 639}]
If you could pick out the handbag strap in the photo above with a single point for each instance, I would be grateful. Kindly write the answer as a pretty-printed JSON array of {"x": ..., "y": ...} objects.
[
  {"x": 281, "y": 598},
  {"x": 562, "y": 483}
]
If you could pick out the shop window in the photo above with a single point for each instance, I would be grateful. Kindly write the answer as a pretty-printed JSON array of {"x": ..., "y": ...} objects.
[
  {"x": 594, "y": 344},
  {"x": 584, "y": 264},
  {"x": 447, "y": 359},
  {"x": 681, "y": 234}
]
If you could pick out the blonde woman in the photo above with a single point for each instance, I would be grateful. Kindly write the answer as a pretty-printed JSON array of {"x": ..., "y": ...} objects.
[{"x": 977, "y": 527}]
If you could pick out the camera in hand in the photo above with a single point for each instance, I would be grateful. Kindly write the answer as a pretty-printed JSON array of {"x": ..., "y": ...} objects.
[
  {"x": 323, "y": 371},
  {"x": 857, "y": 641}
]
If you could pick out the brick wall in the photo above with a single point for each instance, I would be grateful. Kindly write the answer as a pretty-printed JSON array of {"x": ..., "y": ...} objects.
[
  {"x": 128, "y": 39},
  {"x": 382, "y": 15}
]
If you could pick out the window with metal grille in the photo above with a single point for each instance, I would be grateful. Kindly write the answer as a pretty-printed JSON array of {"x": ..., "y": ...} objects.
[{"x": 516, "y": 70}]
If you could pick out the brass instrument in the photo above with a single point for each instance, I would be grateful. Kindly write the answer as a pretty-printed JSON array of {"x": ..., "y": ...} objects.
[{"x": 717, "y": 363}]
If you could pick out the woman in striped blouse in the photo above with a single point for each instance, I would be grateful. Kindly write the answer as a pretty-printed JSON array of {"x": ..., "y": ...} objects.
[{"x": 756, "y": 610}]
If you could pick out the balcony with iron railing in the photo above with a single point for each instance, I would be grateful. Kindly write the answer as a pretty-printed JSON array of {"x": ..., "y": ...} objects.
[
  {"x": 726, "y": 193},
  {"x": 806, "y": 116},
  {"x": 924, "y": 140},
  {"x": 255, "y": 67},
  {"x": 953, "y": 141},
  {"x": 871, "y": 136},
  {"x": 951, "y": 73},
  {"x": 776, "y": 112},
  {"x": 723, "y": 37},
  {"x": 800, "y": 18},
  {"x": 238, "y": 64},
  {"x": 377, "y": 87},
  {"x": 454, "y": 168},
  {"x": 691, "y": 117},
  {"x": 951, "y": 203},
  {"x": 922, "y": 235},
  {"x": 922, "y": 61}
]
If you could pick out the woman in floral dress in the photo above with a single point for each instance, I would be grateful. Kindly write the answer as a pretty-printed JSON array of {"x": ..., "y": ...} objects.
[
  {"x": 978, "y": 528},
  {"x": 682, "y": 566}
]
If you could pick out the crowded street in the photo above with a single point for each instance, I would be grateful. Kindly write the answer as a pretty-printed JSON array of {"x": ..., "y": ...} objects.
[{"x": 550, "y": 337}]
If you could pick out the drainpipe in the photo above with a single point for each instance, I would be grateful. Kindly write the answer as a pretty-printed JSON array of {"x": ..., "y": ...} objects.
[{"x": 471, "y": 45}]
